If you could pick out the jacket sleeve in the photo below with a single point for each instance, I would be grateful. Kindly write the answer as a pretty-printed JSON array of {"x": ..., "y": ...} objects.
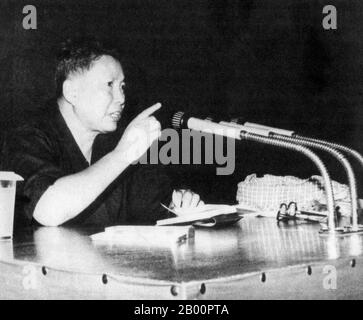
[{"x": 28, "y": 152}]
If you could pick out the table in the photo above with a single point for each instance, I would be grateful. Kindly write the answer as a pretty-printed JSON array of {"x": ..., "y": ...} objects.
[{"x": 257, "y": 258}]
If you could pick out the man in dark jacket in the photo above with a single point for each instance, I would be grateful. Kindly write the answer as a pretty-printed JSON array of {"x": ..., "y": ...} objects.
[{"x": 66, "y": 180}]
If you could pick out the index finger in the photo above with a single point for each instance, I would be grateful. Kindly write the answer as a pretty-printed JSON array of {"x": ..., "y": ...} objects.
[
  {"x": 177, "y": 198},
  {"x": 149, "y": 111}
]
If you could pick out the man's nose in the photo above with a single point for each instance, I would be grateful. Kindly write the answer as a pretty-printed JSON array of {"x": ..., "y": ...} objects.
[{"x": 119, "y": 96}]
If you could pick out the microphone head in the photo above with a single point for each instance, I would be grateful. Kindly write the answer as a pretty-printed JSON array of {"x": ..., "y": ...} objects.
[
  {"x": 164, "y": 115},
  {"x": 171, "y": 118},
  {"x": 177, "y": 120},
  {"x": 180, "y": 119}
]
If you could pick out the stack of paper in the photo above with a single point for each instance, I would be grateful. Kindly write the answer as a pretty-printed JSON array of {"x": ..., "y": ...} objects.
[{"x": 144, "y": 235}]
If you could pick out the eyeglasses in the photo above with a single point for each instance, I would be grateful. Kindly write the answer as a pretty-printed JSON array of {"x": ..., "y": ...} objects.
[{"x": 291, "y": 212}]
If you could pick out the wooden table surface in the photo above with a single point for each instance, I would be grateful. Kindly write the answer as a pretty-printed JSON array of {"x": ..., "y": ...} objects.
[{"x": 253, "y": 246}]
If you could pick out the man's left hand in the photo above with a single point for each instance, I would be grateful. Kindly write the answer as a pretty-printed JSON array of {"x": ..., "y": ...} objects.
[{"x": 185, "y": 199}]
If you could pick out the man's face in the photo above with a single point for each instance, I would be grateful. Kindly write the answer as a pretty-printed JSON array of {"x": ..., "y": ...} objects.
[{"x": 100, "y": 95}]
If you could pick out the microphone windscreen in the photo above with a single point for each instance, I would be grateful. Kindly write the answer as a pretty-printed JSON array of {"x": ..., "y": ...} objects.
[{"x": 164, "y": 115}]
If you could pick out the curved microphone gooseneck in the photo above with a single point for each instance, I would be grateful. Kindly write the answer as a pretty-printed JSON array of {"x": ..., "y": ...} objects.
[{"x": 180, "y": 120}]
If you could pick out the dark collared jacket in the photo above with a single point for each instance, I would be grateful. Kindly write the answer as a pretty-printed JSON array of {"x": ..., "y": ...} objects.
[{"x": 44, "y": 150}]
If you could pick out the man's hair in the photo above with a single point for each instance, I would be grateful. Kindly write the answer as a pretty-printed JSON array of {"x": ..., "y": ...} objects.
[{"x": 77, "y": 55}]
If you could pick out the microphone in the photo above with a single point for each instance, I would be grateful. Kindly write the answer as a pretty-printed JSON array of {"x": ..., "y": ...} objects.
[{"x": 181, "y": 120}]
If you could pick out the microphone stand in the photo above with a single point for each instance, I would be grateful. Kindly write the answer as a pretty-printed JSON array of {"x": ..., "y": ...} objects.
[
  {"x": 333, "y": 149},
  {"x": 281, "y": 132},
  {"x": 239, "y": 132},
  {"x": 355, "y": 154},
  {"x": 312, "y": 156},
  {"x": 354, "y": 228}
]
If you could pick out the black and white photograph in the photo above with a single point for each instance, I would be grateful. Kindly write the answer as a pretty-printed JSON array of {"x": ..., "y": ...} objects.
[{"x": 179, "y": 150}]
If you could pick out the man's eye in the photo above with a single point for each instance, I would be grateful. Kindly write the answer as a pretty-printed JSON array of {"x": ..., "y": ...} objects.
[{"x": 110, "y": 83}]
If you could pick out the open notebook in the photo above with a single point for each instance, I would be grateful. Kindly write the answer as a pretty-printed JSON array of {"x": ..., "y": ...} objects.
[{"x": 208, "y": 215}]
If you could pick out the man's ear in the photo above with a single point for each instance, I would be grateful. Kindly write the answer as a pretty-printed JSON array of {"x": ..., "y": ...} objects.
[{"x": 70, "y": 91}]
